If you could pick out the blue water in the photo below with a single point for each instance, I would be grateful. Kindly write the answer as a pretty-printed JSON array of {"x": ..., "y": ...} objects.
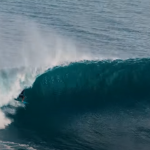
[{"x": 84, "y": 66}]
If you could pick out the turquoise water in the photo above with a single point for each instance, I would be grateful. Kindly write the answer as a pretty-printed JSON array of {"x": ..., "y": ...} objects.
[{"x": 85, "y": 68}]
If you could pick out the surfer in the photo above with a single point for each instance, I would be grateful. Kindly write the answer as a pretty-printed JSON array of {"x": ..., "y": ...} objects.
[{"x": 22, "y": 95}]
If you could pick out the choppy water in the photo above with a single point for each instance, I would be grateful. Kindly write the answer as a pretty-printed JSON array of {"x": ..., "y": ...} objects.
[{"x": 85, "y": 68}]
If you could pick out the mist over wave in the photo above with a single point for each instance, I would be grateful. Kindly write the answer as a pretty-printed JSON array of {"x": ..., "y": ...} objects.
[{"x": 31, "y": 46}]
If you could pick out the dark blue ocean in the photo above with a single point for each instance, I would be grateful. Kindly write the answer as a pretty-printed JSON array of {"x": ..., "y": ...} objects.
[{"x": 84, "y": 66}]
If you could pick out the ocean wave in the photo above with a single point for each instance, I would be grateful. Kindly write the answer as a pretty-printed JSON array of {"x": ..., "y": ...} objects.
[{"x": 80, "y": 87}]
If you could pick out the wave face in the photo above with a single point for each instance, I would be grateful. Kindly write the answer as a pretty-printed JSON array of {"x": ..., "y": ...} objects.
[{"x": 88, "y": 105}]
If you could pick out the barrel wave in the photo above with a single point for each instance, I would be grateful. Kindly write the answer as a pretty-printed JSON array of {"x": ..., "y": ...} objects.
[
  {"x": 89, "y": 105},
  {"x": 92, "y": 83}
]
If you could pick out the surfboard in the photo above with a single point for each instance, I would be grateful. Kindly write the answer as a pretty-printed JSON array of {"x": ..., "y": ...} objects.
[
  {"x": 25, "y": 102},
  {"x": 20, "y": 100}
]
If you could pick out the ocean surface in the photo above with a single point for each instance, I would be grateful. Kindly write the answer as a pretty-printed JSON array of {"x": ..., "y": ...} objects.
[{"x": 84, "y": 66}]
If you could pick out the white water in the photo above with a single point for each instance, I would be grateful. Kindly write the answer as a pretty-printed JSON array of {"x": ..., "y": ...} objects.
[
  {"x": 12, "y": 81},
  {"x": 12, "y": 146}
]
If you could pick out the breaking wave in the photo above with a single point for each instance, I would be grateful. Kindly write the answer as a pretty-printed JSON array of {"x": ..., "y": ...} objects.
[
  {"x": 84, "y": 86},
  {"x": 60, "y": 99}
]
